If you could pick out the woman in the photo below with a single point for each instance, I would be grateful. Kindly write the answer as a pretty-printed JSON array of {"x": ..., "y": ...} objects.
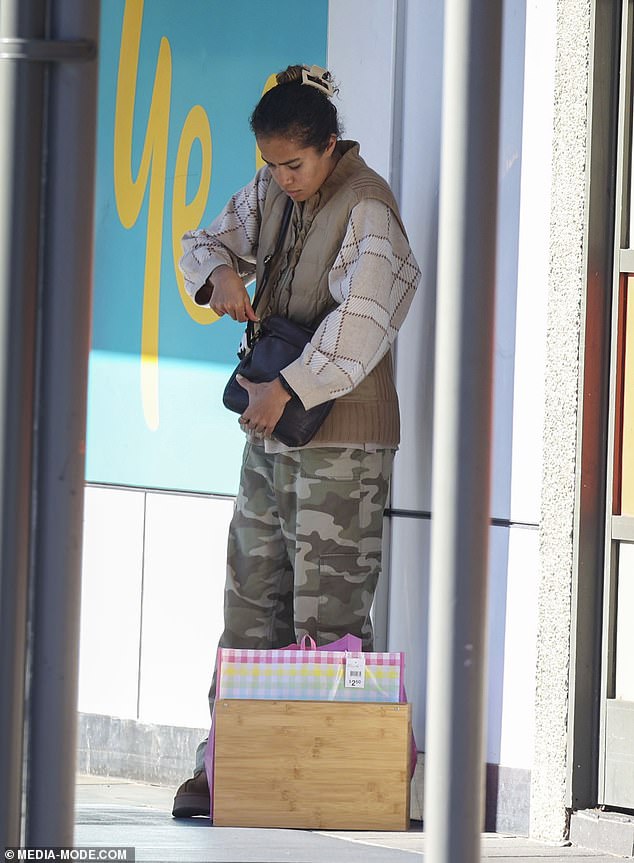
[{"x": 304, "y": 551}]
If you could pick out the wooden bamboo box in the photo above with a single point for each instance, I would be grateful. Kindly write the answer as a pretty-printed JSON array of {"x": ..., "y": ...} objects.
[{"x": 312, "y": 765}]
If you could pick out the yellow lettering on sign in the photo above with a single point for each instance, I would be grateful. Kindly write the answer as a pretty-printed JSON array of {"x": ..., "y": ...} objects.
[
  {"x": 130, "y": 191},
  {"x": 186, "y": 215}
]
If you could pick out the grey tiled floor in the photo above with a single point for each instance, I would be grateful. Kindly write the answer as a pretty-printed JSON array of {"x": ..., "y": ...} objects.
[{"x": 113, "y": 812}]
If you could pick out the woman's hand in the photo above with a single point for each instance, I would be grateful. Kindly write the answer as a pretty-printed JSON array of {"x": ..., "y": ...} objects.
[
  {"x": 266, "y": 405},
  {"x": 229, "y": 296}
]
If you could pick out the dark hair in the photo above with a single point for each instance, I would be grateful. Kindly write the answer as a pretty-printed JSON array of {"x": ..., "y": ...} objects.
[{"x": 293, "y": 109}]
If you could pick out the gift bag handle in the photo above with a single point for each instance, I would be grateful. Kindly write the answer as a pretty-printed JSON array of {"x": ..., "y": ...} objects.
[{"x": 311, "y": 641}]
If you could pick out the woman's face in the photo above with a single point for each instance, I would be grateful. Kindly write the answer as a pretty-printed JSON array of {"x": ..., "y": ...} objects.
[{"x": 299, "y": 171}]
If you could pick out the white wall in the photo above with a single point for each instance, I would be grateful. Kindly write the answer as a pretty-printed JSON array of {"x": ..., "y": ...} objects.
[
  {"x": 411, "y": 487},
  {"x": 525, "y": 168},
  {"x": 112, "y": 576},
  {"x": 533, "y": 259},
  {"x": 363, "y": 66},
  {"x": 152, "y": 595}
]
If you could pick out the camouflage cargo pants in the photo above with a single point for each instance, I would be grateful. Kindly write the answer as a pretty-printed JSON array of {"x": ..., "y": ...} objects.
[{"x": 304, "y": 549}]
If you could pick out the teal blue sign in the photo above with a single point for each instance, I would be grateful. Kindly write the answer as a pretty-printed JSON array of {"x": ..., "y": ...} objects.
[{"x": 177, "y": 84}]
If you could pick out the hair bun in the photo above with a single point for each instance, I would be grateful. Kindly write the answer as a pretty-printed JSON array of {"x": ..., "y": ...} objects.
[{"x": 290, "y": 75}]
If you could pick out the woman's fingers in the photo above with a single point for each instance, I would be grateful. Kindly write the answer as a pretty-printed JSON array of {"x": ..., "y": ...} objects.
[{"x": 241, "y": 312}]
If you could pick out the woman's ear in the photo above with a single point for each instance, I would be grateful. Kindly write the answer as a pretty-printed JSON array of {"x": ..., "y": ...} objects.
[{"x": 332, "y": 143}]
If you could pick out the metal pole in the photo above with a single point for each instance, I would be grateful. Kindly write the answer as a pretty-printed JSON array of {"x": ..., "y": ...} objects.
[
  {"x": 65, "y": 305},
  {"x": 21, "y": 100},
  {"x": 462, "y": 430}
]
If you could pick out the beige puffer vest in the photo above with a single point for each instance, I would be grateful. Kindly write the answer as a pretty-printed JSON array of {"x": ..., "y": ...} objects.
[{"x": 299, "y": 280}]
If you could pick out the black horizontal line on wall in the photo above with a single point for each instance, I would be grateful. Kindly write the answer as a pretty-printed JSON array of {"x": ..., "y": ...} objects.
[
  {"x": 424, "y": 515},
  {"x": 390, "y": 512}
]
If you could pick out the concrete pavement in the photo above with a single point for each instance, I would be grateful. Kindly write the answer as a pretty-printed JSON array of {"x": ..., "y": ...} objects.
[{"x": 117, "y": 812}]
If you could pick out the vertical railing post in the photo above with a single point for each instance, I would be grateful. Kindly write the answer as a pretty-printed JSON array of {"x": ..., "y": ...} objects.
[
  {"x": 65, "y": 308},
  {"x": 21, "y": 136},
  {"x": 454, "y": 782},
  {"x": 47, "y": 150}
]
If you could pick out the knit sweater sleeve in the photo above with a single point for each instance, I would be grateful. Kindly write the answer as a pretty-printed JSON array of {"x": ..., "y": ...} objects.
[
  {"x": 373, "y": 279},
  {"x": 232, "y": 239}
]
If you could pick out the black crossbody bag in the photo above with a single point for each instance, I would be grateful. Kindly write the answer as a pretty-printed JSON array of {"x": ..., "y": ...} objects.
[{"x": 277, "y": 343}]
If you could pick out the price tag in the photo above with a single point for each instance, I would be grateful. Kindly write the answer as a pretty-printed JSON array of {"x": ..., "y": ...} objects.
[{"x": 355, "y": 670}]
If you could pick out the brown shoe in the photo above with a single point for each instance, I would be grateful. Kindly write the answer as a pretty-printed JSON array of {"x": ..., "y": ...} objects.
[{"x": 192, "y": 798}]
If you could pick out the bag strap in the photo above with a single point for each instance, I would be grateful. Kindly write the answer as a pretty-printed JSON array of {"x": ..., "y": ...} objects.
[{"x": 268, "y": 262}]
